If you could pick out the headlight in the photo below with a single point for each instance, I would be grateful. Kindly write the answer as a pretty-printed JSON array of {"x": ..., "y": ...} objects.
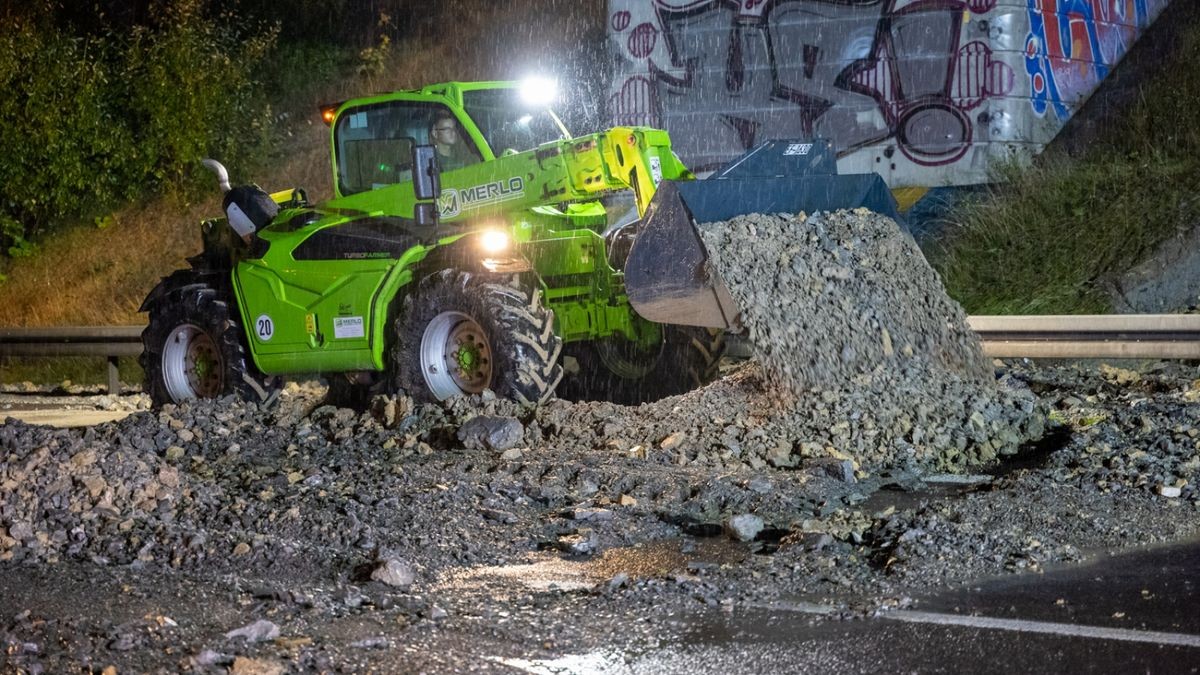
[
  {"x": 538, "y": 91},
  {"x": 494, "y": 242}
]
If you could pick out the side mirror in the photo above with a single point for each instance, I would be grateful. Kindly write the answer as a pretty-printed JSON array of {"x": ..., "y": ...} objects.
[{"x": 427, "y": 179}]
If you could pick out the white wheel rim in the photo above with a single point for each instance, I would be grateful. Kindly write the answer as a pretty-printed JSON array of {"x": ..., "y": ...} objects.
[
  {"x": 456, "y": 357},
  {"x": 191, "y": 364}
]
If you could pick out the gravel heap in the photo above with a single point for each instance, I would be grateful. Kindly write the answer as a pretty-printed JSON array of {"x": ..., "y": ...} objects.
[
  {"x": 842, "y": 299},
  {"x": 1135, "y": 432},
  {"x": 303, "y": 520},
  {"x": 852, "y": 327},
  {"x": 1120, "y": 469},
  {"x": 863, "y": 358}
]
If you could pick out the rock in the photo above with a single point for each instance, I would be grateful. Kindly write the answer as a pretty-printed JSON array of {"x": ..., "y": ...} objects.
[
  {"x": 760, "y": 485},
  {"x": 582, "y": 542},
  {"x": 371, "y": 643},
  {"x": 209, "y": 657},
  {"x": 491, "y": 433},
  {"x": 394, "y": 573},
  {"x": 259, "y": 631},
  {"x": 781, "y": 456},
  {"x": 672, "y": 441},
  {"x": 831, "y": 467},
  {"x": 350, "y": 597},
  {"x": 499, "y": 516},
  {"x": 175, "y": 452},
  {"x": 1169, "y": 491},
  {"x": 744, "y": 527},
  {"x": 437, "y": 613},
  {"x": 594, "y": 515},
  {"x": 241, "y": 549},
  {"x": 627, "y": 500},
  {"x": 95, "y": 485},
  {"x": 244, "y": 665},
  {"x": 1120, "y": 376},
  {"x": 814, "y": 541},
  {"x": 512, "y": 454}
]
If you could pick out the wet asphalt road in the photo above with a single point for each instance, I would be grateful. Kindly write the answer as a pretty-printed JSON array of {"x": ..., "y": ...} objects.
[{"x": 1135, "y": 613}]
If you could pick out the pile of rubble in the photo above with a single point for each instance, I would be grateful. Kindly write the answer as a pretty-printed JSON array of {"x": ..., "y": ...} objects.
[
  {"x": 896, "y": 383},
  {"x": 861, "y": 356}
]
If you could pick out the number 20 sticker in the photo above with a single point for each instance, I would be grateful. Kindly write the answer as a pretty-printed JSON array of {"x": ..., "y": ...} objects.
[{"x": 264, "y": 327}]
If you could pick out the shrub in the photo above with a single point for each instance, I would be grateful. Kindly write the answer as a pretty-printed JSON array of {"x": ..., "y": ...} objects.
[{"x": 92, "y": 122}]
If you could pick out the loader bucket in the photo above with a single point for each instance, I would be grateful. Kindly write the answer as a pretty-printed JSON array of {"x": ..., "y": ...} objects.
[{"x": 669, "y": 277}]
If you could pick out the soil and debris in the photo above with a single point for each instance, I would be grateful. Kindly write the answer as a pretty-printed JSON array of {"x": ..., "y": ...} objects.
[{"x": 218, "y": 535}]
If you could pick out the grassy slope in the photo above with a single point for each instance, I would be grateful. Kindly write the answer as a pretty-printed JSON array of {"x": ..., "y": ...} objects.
[{"x": 1049, "y": 239}]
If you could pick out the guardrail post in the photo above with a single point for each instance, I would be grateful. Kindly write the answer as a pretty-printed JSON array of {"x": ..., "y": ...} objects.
[{"x": 114, "y": 377}]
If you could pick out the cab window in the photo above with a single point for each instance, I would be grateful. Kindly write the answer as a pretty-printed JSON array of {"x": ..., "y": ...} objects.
[
  {"x": 374, "y": 143},
  {"x": 508, "y": 124}
]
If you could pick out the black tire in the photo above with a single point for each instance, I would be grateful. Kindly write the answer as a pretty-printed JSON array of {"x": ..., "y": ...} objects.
[
  {"x": 512, "y": 333},
  {"x": 616, "y": 370},
  {"x": 194, "y": 347}
]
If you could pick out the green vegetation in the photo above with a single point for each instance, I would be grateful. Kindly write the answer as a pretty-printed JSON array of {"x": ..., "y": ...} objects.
[
  {"x": 1048, "y": 238},
  {"x": 94, "y": 121}
]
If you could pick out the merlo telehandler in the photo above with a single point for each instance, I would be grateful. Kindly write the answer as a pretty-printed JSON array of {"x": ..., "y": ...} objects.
[{"x": 446, "y": 269}]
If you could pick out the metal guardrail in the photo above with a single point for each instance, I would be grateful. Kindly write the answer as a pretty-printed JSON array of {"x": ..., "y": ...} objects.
[
  {"x": 1092, "y": 336},
  {"x": 111, "y": 342},
  {"x": 1106, "y": 336}
]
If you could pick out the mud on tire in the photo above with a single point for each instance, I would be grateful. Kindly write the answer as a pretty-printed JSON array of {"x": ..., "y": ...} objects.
[
  {"x": 506, "y": 332},
  {"x": 618, "y": 371},
  {"x": 194, "y": 347}
]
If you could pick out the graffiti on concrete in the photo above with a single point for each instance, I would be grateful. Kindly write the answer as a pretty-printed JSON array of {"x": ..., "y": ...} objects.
[
  {"x": 907, "y": 81},
  {"x": 1072, "y": 44}
]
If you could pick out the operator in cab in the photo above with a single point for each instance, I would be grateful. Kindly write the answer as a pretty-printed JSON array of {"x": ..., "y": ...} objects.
[{"x": 452, "y": 152}]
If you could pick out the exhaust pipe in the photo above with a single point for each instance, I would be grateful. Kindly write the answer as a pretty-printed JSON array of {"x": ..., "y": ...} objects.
[{"x": 219, "y": 169}]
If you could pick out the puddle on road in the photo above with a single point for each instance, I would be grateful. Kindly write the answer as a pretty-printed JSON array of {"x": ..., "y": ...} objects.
[
  {"x": 544, "y": 572},
  {"x": 592, "y": 663}
]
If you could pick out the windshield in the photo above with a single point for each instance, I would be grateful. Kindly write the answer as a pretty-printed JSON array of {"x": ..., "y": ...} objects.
[
  {"x": 375, "y": 143},
  {"x": 508, "y": 124}
]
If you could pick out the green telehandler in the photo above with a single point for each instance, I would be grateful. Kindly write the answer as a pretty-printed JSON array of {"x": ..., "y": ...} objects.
[{"x": 471, "y": 244}]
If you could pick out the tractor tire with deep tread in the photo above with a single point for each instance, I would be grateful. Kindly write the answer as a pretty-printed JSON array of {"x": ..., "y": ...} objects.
[
  {"x": 194, "y": 347},
  {"x": 510, "y": 344},
  {"x": 688, "y": 359}
]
